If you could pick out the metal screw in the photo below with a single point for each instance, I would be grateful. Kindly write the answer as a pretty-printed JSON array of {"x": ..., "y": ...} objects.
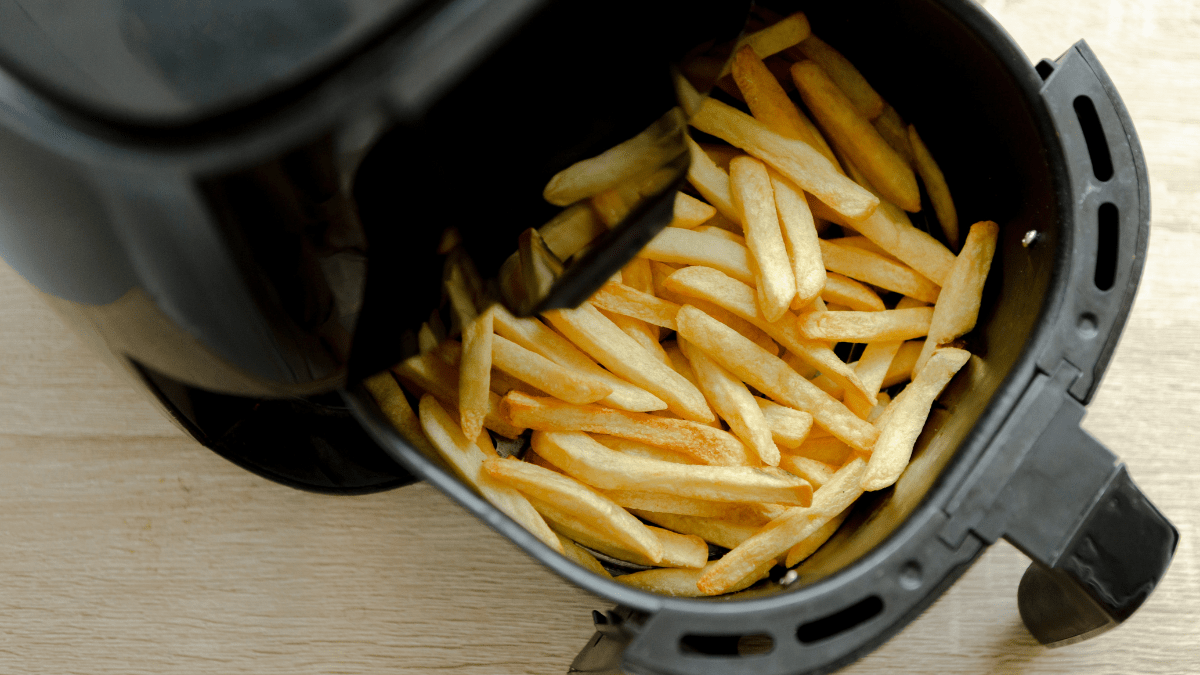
[
  {"x": 790, "y": 578},
  {"x": 1029, "y": 238}
]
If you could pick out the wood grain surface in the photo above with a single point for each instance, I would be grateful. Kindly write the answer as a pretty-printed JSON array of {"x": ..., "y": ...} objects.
[{"x": 127, "y": 548}]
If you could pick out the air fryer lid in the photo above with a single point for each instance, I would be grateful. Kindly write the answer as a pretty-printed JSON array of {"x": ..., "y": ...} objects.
[{"x": 1002, "y": 454}]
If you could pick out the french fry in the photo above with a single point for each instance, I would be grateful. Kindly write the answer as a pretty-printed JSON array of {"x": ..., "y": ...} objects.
[
  {"x": 709, "y": 445},
  {"x": 536, "y": 337},
  {"x": 877, "y": 271},
  {"x": 905, "y": 417},
  {"x": 935, "y": 184},
  {"x": 711, "y": 181},
  {"x": 640, "y": 449},
  {"x": 501, "y": 383},
  {"x": 679, "y": 550},
  {"x": 809, "y": 545},
  {"x": 426, "y": 341},
  {"x": 825, "y": 449},
  {"x": 753, "y": 195},
  {"x": 839, "y": 69},
  {"x": 851, "y": 132},
  {"x": 626, "y": 161},
  {"x": 582, "y": 457},
  {"x": 428, "y": 373},
  {"x": 733, "y": 402},
  {"x": 766, "y": 99},
  {"x": 627, "y": 301},
  {"x": 827, "y": 385},
  {"x": 779, "y": 535},
  {"x": 817, "y": 473},
  {"x": 539, "y": 267},
  {"x": 890, "y": 229},
  {"x": 800, "y": 238},
  {"x": 660, "y": 503},
  {"x": 852, "y": 326},
  {"x": 467, "y": 460},
  {"x": 902, "y": 364},
  {"x": 474, "y": 374},
  {"x": 681, "y": 583},
  {"x": 571, "y": 230},
  {"x": 539, "y": 371},
  {"x": 846, "y": 291},
  {"x": 675, "y": 245},
  {"x": 789, "y": 427},
  {"x": 772, "y": 376},
  {"x": 775, "y": 38},
  {"x": 578, "y": 555},
  {"x": 395, "y": 407},
  {"x": 642, "y": 333},
  {"x": 598, "y": 337},
  {"x": 723, "y": 233},
  {"x": 690, "y": 212},
  {"x": 957, "y": 307},
  {"x": 795, "y": 160},
  {"x": 891, "y": 126},
  {"x": 859, "y": 241},
  {"x": 872, "y": 366},
  {"x": 713, "y": 529},
  {"x": 721, "y": 154},
  {"x": 574, "y": 497}
]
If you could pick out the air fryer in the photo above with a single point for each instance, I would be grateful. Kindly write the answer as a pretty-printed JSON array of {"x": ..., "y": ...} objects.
[{"x": 241, "y": 204}]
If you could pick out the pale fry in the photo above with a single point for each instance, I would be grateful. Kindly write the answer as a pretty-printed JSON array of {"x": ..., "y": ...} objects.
[
  {"x": 467, "y": 460},
  {"x": 690, "y": 212},
  {"x": 902, "y": 364},
  {"x": 582, "y": 457},
  {"x": 681, "y": 583},
  {"x": 809, "y": 545},
  {"x": 709, "y": 445},
  {"x": 539, "y": 371},
  {"x": 679, "y": 550},
  {"x": 935, "y": 185},
  {"x": 713, "y": 529},
  {"x": 906, "y": 416},
  {"x": 535, "y": 336},
  {"x": 795, "y": 160},
  {"x": 814, "y": 471},
  {"x": 852, "y": 326},
  {"x": 957, "y": 307},
  {"x": 601, "y": 339},
  {"x": 877, "y": 271},
  {"x": 733, "y": 402},
  {"x": 772, "y": 376},
  {"x": 800, "y": 238},
  {"x": 579, "y": 555},
  {"x": 846, "y": 291},
  {"x": 474, "y": 374},
  {"x": 574, "y": 497},
  {"x": 779, "y": 535},
  {"x": 621, "y": 299},
  {"x": 753, "y": 195},
  {"x": 843, "y": 73},
  {"x": 775, "y": 38},
  {"x": 723, "y": 233},
  {"x": 789, "y": 427},
  {"x": 661, "y": 503},
  {"x": 395, "y": 407},
  {"x": 675, "y": 245},
  {"x": 711, "y": 181},
  {"x": 572, "y": 229},
  {"x": 428, "y": 373}
]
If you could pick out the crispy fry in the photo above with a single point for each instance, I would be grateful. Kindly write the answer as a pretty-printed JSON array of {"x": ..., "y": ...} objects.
[
  {"x": 580, "y": 556},
  {"x": 795, "y": 160},
  {"x": 596, "y": 335},
  {"x": 877, "y": 271},
  {"x": 539, "y": 267},
  {"x": 905, "y": 418},
  {"x": 675, "y": 245},
  {"x": 753, "y": 195},
  {"x": 474, "y": 374},
  {"x": 765, "y": 97},
  {"x": 775, "y": 38},
  {"x": 815, "y": 472},
  {"x": 690, "y": 212},
  {"x": 582, "y": 457},
  {"x": 872, "y": 367},
  {"x": 467, "y": 460},
  {"x": 721, "y": 154},
  {"x": 826, "y": 449},
  {"x": 681, "y": 583},
  {"x": 853, "y": 134},
  {"x": 839, "y": 69},
  {"x": 846, "y": 291},
  {"x": 772, "y": 376},
  {"x": 723, "y": 233},
  {"x": 809, "y": 545},
  {"x": 891, "y": 230},
  {"x": 957, "y": 307},
  {"x": 711, "y": 181},
  {"x": 852, "y": 326},
  {"x": 711, "y": 529},
  {"x": 428, "y": 373},
  {"x": 640, "y": 449},
  {"x": 679, "y": 550},
  {"x": 753, "y": 333},
  {"x": 572, "y": 229},
  {"x": 789, "y": 427},
  {"x": 800, "y": 238},
  {"x": 621, "y": 299},
  {"x": 395, "y": 407},
  {"x": 733, "y": 402},
  {"x": 935, "y": 184},
  {"x": 644, "y": 334},
  {"x": 660, "y": 503},
  {"x": 529, "y": 366},
  {"x": 709, "y": 445},
  {"x": 902, "y": 364},
  {"x": 890, "y": 125}
]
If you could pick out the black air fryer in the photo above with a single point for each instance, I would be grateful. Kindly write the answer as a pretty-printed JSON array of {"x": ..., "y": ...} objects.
[{"x": 242, "y": 202}]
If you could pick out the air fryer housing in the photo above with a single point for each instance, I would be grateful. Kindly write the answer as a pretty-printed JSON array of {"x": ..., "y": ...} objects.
[{"x": 235, "y": 246}]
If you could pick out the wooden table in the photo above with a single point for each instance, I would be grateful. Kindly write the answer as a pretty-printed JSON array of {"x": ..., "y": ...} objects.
[{"x": 127, "y": 548}]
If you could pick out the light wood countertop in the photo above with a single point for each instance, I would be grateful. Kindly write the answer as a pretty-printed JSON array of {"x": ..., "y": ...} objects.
[{"x": 127, "y": 548}]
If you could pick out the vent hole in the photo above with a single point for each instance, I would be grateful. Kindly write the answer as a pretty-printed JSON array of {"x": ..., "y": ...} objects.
[
  {"x": 727, "y": 645},
  {"x": 1045, "y": 68},
  {"x": 1106, "y": 245},
  {"x": 1093, "y": 135},
  {"x": 839, "y": 622}
]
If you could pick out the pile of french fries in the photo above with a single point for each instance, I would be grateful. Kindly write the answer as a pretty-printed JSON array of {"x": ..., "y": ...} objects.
[{"x": 697, "y": 398}]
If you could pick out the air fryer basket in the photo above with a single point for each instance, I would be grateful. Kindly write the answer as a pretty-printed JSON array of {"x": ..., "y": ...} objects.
[{"x": 1050, "y": 153}]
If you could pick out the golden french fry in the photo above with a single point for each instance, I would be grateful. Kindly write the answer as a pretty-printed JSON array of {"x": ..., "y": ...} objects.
[
  {"x": 660, "y": 503},
  {"x": 890, "y": 229},
  {"x": 612, "y": 205},
  {"x": 474, "y": 374},
  {"x": 846, "y": 291},
  {"x": 711, "y": 529},
  {"x": 779, "y": 535},
  {"x": 582, "y": 457},
  {"x": 395, "y": 407},
  {"x": 721, "y": 155},
  {"x": 851, "y": 132},
  {"x": 539, "y": 267},
  {"x": 901, "y": 368},
  {"x": 872, "y": 367},
  {"x": 512, "y": 282},
  {"x": 711, "y": 181},
  {"x": 640, "y": 449},
  {"x": 501, "y": 383},
  {"x": 536, "y": 337},
  {"x": 572, "y": 229},
  {"x": 795, "y": 160},
  {"x": 772, "y": 376},
  {"x": 690, "y": 212},
  {"x": 733, "y": 402},
  {"x": 825, "y": 449},
  {"x": 766, "y": 99},
  {"x": 774, "y": 38},
  {"x": 723, "y": 233},
  {"x": 753, "y": 195},
  {"x": 629, "y": 160},
  {"x": 602, "y": 340},
  {"x": 957, "y": 307},
  {"x": 681, "y": 583},
  {"x": 429, "y": 373},
  {"x": 859, "y": 241},
  {"x": 789, "y": 427},
  {"x": 891, "y": 126},
  {"x": 642, "y": 333},
  {"x": 809, "y": 545},
  {"x": 839, "y": 69},
  {"x": 626, "y": 301},
  {"x": 662, "y": 271},
  {"x": 800, "y": 238},
  {"x": 467, "y": 460},
  {"x": 852, "y": 326},
  {"x": 827, "y": 385},
  {"x": 877, "y": 271},
  {"x": 709, "y": 445},
  {"x": 675, "y": 245},
  {"x": 906, "y": 415},
  {"x": 935, "y": 185},
  {"x": 426, "y": 341},
  {"x": 814, "y": 471},
  {"x": 803, "y": 369},
  {"x": 529, "y": 366},
  {"x": 679, "y": 550},
  {"x": 578, "y": 499},
  {"x": 579, "y": 555}
]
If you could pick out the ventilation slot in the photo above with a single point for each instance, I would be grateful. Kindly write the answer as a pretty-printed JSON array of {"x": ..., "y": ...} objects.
[
  {"x": 1093, "y": 135},
  {"x": 727, "y": 645},
  {"x": 839, "y": 622},
  {"x": 1108, "y": 220}
]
